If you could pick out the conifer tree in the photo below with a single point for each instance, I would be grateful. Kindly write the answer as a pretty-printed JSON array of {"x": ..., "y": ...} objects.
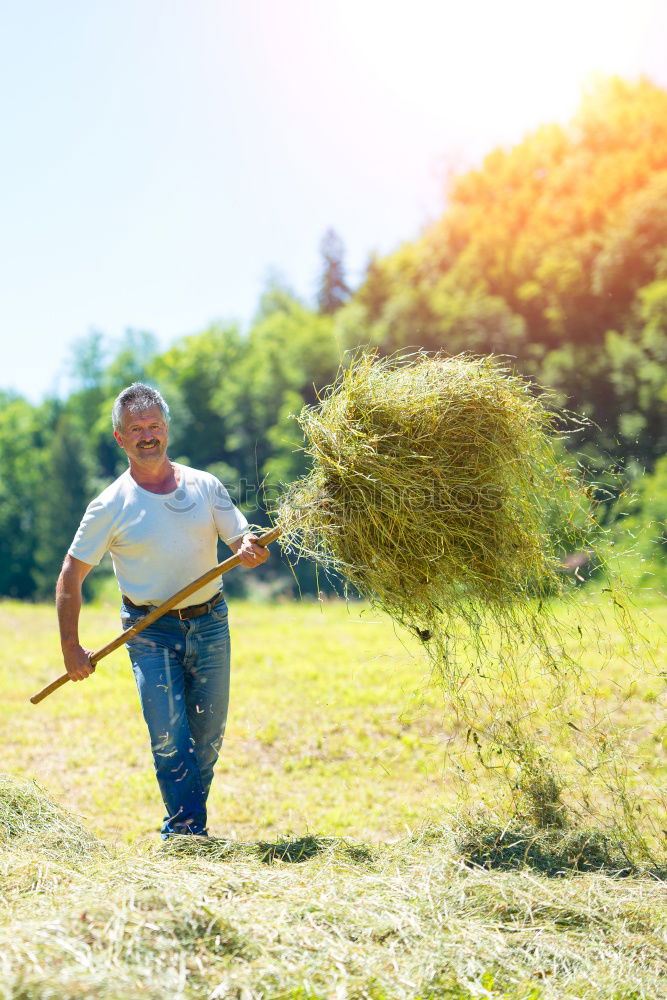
[
  {"x": 333, "y": 291},
  {"x": 61, "y": 503}
]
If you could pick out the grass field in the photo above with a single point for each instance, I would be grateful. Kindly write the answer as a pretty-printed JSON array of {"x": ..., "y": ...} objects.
[{"x": 338, "y": 756}]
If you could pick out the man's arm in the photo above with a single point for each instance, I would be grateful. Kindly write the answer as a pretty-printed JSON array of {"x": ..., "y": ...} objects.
[
  {"x": 250, "y": 554},
  {"x": 68, "y": 605}
]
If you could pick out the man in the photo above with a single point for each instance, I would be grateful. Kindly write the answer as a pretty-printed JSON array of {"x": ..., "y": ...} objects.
[{"x": 161, "y": 522}]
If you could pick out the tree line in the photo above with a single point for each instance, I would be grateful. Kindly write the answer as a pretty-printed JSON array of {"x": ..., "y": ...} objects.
[{"x": 553, "y": 252}]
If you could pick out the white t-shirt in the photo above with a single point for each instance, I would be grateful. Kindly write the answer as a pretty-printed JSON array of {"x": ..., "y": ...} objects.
[{"x": 160, "y": 542}]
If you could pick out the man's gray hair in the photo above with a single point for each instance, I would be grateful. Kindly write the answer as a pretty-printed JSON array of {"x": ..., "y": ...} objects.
[{"x": 135, "y": 399}]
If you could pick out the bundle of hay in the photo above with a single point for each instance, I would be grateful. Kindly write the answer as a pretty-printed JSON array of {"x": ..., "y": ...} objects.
[
  {"x": 431, "y": 487},
  {"x": 28, "y": 813}
]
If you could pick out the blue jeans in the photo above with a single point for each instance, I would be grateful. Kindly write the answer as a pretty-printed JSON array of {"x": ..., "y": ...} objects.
[{"x": 182, "y": 674}]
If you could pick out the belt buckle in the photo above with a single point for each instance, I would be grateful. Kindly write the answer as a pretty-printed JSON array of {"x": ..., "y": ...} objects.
[{"x": 180, "y": 614}]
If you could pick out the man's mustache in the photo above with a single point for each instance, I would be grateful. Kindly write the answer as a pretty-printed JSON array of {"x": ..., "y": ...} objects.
[{"x": 147, "y": 444}]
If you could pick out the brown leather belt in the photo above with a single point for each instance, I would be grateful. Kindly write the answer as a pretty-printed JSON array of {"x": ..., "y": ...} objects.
[{"x": 194, "y": 611}]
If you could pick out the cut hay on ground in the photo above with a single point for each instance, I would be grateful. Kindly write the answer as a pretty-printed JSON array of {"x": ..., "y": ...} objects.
[{"x": 316, "y": 920}]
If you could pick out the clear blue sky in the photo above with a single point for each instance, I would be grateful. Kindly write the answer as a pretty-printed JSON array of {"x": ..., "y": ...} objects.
[{"x": 161, "y": 157}]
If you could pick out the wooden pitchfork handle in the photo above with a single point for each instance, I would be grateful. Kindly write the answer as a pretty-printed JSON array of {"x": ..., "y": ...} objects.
[{"x": 120, "y": 640}]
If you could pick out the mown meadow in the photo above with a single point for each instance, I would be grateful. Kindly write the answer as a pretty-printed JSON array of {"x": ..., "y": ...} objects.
[{"x": 350, "y": 858}]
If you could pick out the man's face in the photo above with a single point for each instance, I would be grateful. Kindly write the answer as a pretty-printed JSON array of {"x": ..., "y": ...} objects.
[{"x": 143, "y": 435}]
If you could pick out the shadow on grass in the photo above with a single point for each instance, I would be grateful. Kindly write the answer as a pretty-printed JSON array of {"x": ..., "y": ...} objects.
[
  {"x": 292, "y": 850},
  {"x": 551, "y": 852}
]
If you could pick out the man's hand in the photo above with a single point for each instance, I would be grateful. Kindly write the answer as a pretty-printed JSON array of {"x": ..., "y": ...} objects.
[
  {"x": 77, "y": 662},
  {"x": 250, "y": 553}
]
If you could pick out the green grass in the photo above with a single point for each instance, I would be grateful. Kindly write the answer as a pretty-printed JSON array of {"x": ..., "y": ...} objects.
[
  {"x": 336, "y": 724},
  {"x": 343, "y": 870}
]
